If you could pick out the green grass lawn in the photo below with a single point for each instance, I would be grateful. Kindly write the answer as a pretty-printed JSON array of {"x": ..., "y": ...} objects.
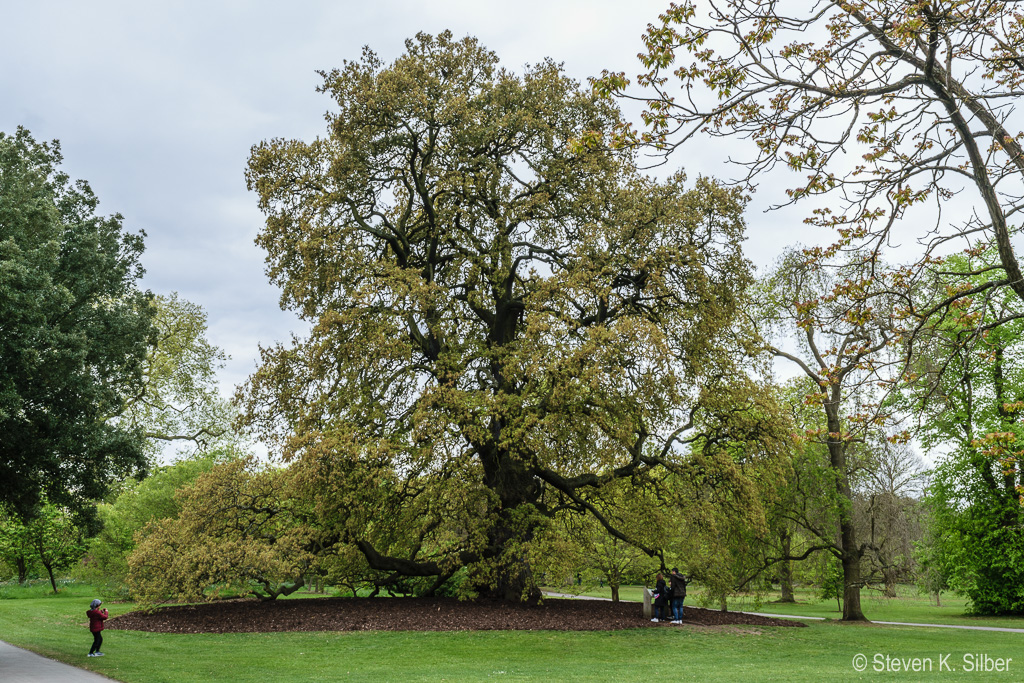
[{"x": 55, "y": 626}]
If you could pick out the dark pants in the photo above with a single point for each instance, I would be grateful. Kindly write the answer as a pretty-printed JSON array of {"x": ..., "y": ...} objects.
[{"x": 97, "y": 640}]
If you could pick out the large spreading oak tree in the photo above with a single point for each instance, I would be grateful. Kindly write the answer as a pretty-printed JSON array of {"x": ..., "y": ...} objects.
[{"x": 504, "y": 320}]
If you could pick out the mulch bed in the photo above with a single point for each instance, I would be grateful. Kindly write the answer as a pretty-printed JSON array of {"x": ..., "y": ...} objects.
[{"x": 415, "y": 614}]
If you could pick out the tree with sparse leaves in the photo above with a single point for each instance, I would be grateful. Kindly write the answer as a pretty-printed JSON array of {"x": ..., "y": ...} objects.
[
  {"x": 884, "y": 109},
  {"x": 834, "y": 322},
  {"x": 504, "y": 321}
]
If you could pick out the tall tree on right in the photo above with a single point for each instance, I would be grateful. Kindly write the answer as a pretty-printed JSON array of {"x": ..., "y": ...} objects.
[
  {"x": 880, "y": 106},
  {"x": 968, "y": 394}
]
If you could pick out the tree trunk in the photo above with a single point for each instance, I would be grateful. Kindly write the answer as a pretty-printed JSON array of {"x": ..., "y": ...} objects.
[
  {"x": 890, "y": 582},
  {"x": 49, "y": 570},
  {"x": 515, "y": 521},
  {"x": 847, "y": 531},
  {"x": 615, "y": 591},
  {"x": 786, "y": 570},
  {"x": 851, "y": 580},
  {"x": 22, "y": 570},
  {"x": 723, "y": 604}
]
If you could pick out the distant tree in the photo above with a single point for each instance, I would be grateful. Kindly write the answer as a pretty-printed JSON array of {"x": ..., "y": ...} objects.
[
  {"x": 832, "y": 581},
  {"x": 57, "y": 538},
  {"x": 597, "y": 553},
  {"x": 931, "y": 572},
  {"x": 49, "y": 537},
  {"x": 845, "y": 342},
  {"x": 178, "y": 401},
  {"x": 74, "y": 331},
  {"x": 15, "y": 547},
  {"x": 504, "y": 323},
  {"x": 803, "y": 515},
  {"x": 888, "y": 508}
]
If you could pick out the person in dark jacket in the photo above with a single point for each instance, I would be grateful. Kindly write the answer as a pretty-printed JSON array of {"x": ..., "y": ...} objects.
[
  {"x": 660, "y": 598},
  {"x": 96, "y": 618},
  {"x": 678, "y": 587}
]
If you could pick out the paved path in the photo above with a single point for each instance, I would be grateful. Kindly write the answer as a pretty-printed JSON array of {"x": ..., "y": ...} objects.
[
  {"x": 22, "y": 666},
  {"x": 794, "y": 616},
  {"x": 902, "y": 623},
  {"x": 576, "y": 597}
]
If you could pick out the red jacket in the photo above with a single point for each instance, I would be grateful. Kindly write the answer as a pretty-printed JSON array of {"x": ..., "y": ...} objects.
[{"x": 96, "y": 617}]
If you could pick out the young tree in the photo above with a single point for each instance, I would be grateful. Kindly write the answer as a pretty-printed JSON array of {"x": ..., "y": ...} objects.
[
  {"x": 846, "y": 341},
  {"x": 503, "y": 322},
  {"x": 881, "y": 106},
  {"x": 15, "y": 547},
  {"x": 240, "y": 527},
  {"x": 57, "y": 539},
  {"x": 74, "y": 330}
]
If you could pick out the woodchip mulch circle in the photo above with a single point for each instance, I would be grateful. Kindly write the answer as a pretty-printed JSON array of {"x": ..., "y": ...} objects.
[{"x": 415, "y": 614}]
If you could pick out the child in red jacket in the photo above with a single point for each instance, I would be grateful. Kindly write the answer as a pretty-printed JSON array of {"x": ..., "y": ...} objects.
[{"x": 96, "y": 618}]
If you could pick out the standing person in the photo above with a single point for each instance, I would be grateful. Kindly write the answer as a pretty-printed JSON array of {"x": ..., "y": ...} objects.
[
  {"x": 96, "y": 618},
  {"x": 660, "y": 598},
  {"x": 678, "y": 582}
]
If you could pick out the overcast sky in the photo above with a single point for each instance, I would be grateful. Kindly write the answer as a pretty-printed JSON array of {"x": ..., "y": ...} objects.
[{"x": 157, "y": 106}]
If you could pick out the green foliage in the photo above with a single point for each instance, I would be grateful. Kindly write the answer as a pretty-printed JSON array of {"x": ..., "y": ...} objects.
[
  {"x": 832, "y": 582},
  {"x": 968, "y": 389},
  {"x": 50, "y": 537},
  {"x": 179, "y": 402},
  {"x": 16, "y": 552},
  {"x": 980, "y": 545},
  {"x": 57, "y": 538},
  {"x": 74, "y": 330}
]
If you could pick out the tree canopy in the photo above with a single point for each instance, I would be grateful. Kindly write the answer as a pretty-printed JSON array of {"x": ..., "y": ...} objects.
[
  {"x": 883, "y": 108},
  {"x": 74, "y": 330},
  {"x": 504, "y": 321}
]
